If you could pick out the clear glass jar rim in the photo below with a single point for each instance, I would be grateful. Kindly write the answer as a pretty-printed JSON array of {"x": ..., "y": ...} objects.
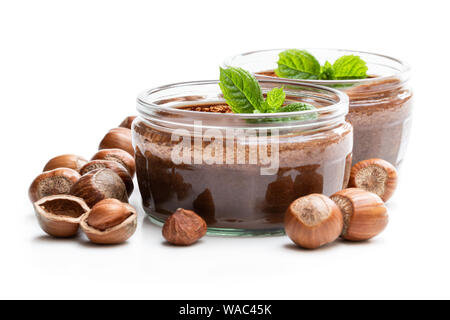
[
  {"x": 404, "y": 70},
  {"x": 339, "y": 108}
]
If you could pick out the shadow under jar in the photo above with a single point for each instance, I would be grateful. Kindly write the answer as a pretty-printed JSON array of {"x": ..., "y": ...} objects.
[
  {"x": 380, "y": 105},
  {"x": 238, "y": 171}
]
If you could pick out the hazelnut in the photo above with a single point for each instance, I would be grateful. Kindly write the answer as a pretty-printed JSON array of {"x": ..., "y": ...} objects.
[
  {"x": 117, "y": 155},
  {"x": 116, "y": 167},
  {"x": 365, "y": 215},
  {"x": 374, "y": 175},
  {"x": 71, "y": 161},
  {"x": 60, "y": 215},
  {"x": 109, "y": 222},
  {"x": 126, "y": 123},
  {"x": 48, "y": 183},
  {"x": 100, "y": 184},
  {"x": 119, "y": 138},
  {"x": 184, "y": 227},
  {"x": 313, "y": 221}
]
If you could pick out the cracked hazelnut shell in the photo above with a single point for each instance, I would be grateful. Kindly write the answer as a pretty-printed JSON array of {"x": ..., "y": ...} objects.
[
  {"x": 118, "y": 155},
  {"x": 116, "y": 167},
  {"x": 60, "y": 215},
  {"x": 126, "y": 123},
  {"x": 71, "y": 161},
  {"x": 313, "y": 221},
  {"x": 110, "y": 221},
  {"x": 56, "y": 181},
  {"x": 118, "y": 138},
  {"x": 100, "y": 184},
  {"x": 184, "y": 227},
  {"x": 365, "y": 214},
  {"x": 374, "y": 175}
]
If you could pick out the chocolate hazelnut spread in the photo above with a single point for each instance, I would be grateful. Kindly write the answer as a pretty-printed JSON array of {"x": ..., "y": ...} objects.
[
  {"x": 237, "y": 196},
  {"x": 380, "y": 112}
]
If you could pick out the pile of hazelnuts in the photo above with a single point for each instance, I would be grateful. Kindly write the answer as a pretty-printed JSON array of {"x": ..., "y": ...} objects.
[{"x": 73, "y": 193}]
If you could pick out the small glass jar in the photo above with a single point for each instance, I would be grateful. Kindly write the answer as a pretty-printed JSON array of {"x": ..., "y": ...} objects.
[
  {"x": 380, "y": 105},
  {"x": 238, "y": 171}
]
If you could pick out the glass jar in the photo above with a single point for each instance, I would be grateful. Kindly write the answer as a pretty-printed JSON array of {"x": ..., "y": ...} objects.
[
  {"x": 238, "y": 171},
  {"x": 380, "y": 105}
]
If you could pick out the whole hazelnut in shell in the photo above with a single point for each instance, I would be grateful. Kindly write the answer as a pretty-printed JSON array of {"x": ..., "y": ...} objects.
[
  {"x": 48, "y": 183},
  {"x": 374, "y": 175},
  {"x": 118, "y": 155},
  {"x": 115, "y": 166},
  {"x": 313, "y": 221},
  {"x": 100, "y": 184},
  {"x": 110, "y": 221},
  {"x": 365, "y": 214},
  {"x": 184, "y": 227},
  {"x": 127, "y": 122},
  {"x": 71, "y": 161},
  {"x": 118, "y": 138},
  {"x": 60, "y": 215}
]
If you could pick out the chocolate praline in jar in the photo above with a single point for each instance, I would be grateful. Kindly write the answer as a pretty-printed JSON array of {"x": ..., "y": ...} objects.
[
  {"x": 238, "y": 171},
  {"x": 380, "y": 105}
]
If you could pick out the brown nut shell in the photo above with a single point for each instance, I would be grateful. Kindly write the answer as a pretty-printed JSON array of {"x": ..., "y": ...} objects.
[
  {"x": 374, "y": 175},
  {"x": 60, "y": 215},
  {"x": 109, "y": 222},
  {"x": 313, "y": 221},
  {"x": 71, "y": 161},
  {"x": 100, "y": 184},
  {"x": 118, "y": 138},
  {"x": 48, "y": 183},
  {"x": 365, "y": 214},
  {"x": 184, "y": 227},
  {"x": 115, "y": 166},
  {"x": 118, "y": 155},
  {"x": 126, "y": 123}
]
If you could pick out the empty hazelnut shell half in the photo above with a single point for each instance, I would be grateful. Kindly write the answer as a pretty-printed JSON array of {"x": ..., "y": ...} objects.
[
  {"x": 119, "y": 138},
  {"x": 100, "y": 184},
  {"x": 313, "y": 221},
  {"x": 119, "y": 156},
  {"x": 109, "y": 222},
  {"x": 184, "y": 227},
  {"x": 71, "y": 161},
  {"x": 56, "y": 181},
  {"x": 374, "y": 175},
  {"x": 126, "y": 123},
  {"x": 60, "y": 215},
  {"x": 365, "y": 214},
  {"x": 115, "y": 166}
]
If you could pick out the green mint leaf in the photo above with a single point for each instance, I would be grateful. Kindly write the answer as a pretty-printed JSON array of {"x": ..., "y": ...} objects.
[
  {"x": 275, "y": 99},
  {"x": 327, "y": 72},
  {"x": 241, "y": 90},
  {"x": 299, "y": 106},
  {"x": 350, "y": 67},
  {"x": 297, "y": 64}
]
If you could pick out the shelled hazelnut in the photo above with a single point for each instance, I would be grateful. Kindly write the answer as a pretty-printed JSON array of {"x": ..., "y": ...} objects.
[
  {"x": 126, "y": 123},
  {"x": 374, "y": 175},
  {"x": 70, "y": 161},
  {"x": 60, "y": 215},
  {"x": 313, "y": 221},
  {"x": 98, "y": 185},
  {"x": 121, "y": 171},
  {"x": 56, "y": 181},
  {"x": 184, "y": 227},
  {"x": 110, "y": 221},
  {"x": 119, "y": 138},
  {"x": 117, "y": 155},
  {"x": 365, "y": 214}
]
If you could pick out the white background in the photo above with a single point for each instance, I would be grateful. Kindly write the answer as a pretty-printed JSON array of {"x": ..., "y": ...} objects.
[{"x": 70, "y": 70}]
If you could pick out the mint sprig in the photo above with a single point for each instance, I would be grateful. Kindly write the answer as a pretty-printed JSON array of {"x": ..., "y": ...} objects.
[
  {"x": 300, "y": 64},
  {"x": 243, "y": 94}
]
